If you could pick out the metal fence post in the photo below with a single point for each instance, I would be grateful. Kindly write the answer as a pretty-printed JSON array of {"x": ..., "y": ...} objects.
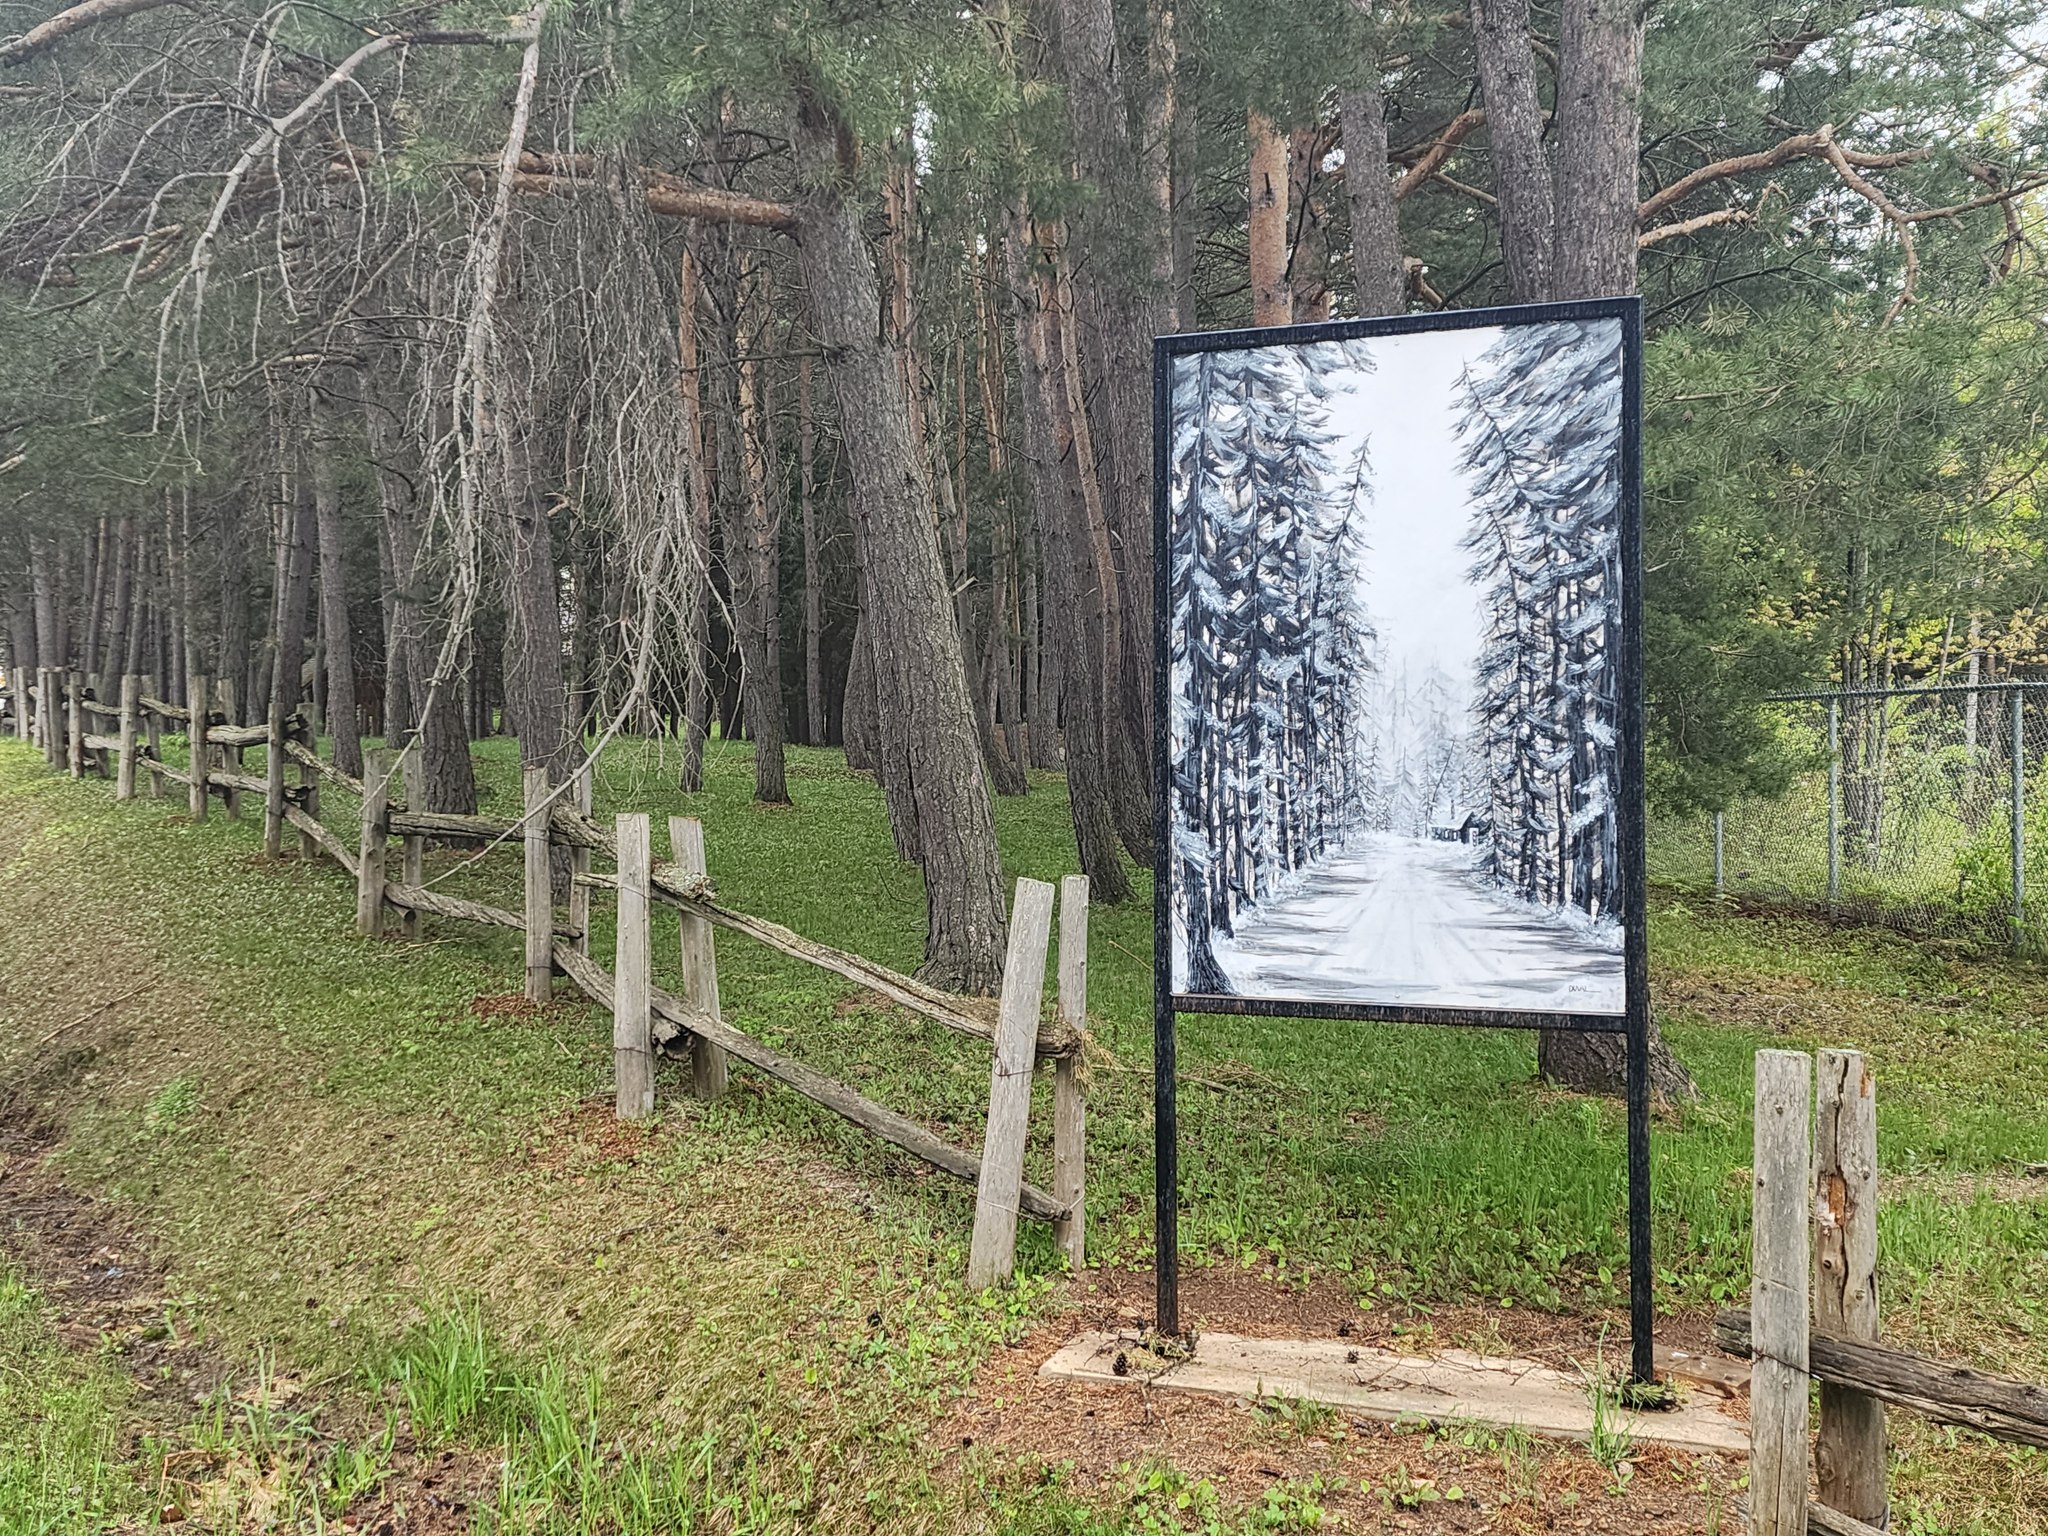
[
  {"x": 1834, "y": 802},
  {"x": 2019, "y": 816},
  {"x": 1720, "y": 836}
]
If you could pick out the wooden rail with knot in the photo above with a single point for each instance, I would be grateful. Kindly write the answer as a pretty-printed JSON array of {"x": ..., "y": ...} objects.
[
  {"x": 556, "y": 820},
  {"x": 1813, "y": 1312}
]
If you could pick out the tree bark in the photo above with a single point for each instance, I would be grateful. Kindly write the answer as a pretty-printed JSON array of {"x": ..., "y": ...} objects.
[
  {"x": 1514, "y": 130},
  {"x": 1599, "y": 131},
  {"x": 295, "y": 587},
  {"x": 814, "y": 583},
  {"x": 752, "y": 539},
  {"x": 337, "y": 644},
  {"x": 126, "y": 552},
  {"x": 697, "y": 606},
  {"x": 857, "y": 725},
  {"x": 916, "y": 644},
  {"x": 1379, "y": 279},
  {"x": 1272, "y": 298}
]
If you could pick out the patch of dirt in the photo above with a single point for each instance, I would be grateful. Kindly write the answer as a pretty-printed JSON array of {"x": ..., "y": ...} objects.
[{"x": 1378, "y": 1477}]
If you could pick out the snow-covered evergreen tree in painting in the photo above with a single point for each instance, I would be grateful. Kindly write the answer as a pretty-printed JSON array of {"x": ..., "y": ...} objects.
[{"x": 1393, "y": 761}]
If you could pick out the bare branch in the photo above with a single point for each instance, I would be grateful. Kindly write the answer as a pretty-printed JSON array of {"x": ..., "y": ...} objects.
[
  {"x": 1672, "y": 231},
  {"x": 1432, "y": 159},
  {"x": 42, "y": 38}
]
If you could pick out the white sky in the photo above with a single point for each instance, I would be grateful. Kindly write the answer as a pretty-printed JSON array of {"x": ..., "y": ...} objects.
[{"x": 1416, "y": 590}]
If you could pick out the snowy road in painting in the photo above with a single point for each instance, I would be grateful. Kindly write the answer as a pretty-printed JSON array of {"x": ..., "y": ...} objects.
[{"x": 1408, "y": 921}]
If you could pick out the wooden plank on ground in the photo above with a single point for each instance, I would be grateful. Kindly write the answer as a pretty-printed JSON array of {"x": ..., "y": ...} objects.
[
  {"x": 1453, "y": 1386},
  {"x": 992, "y": 1255}
]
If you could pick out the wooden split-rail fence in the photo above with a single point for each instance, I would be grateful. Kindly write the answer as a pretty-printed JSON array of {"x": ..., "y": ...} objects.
[
  {"x": 1813, "y": 1313},
  {"x": 391, "y": 832}
]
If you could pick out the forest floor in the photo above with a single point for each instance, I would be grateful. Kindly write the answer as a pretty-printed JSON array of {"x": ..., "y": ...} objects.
[{"x": 304, "y": 1232}]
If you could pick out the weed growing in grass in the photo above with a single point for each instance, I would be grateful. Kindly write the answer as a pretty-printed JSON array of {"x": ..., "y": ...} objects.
[
  {"x": 172, "y": 1104},
  {"x": 61, "y": 1468},
  {"x": 1298, "y": 1415},
  {"x": 1404, "y": 1490},
  {"x": 448, "y": 1373}
]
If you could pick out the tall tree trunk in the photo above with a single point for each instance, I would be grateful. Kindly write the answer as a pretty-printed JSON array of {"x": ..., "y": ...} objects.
[
  {"x": 99, "y": 559},
  {"x": 1514, "y": 131},
  {"x": 814, "y": 582},
  {"x": 751, "y": 544},
  {"x": 697, "y": 605},
  {"x": 1064, "y": 554},
  {"x": 294, "y": 596},
  {"x": 437, "y": 705},
  {"x": 118, "y": 603},
  {"x": 337, "y": 645},
  {"x": 1379, "y": 278},
  {"x": 1599, "y": 136},
  {"x": 1272, "y": 298},
  {"x": 857, "y": 724},
  {"x": 916, "y": 643}
]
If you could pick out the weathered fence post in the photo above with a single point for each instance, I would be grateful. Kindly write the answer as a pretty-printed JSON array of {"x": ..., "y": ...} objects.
[
  {"x": 1780, "y": 1222},
  {"x": 993, "y": 1252},
  {"x": 370, "y": 850},
  {"x": 632, "y": 1034},
  {"x": 47, "y": 707},
  {"x": 153, "y": 728},
  {"x": 412, "y": 868},
  {"x": 1834, "y": 801},
  {"x": 74, "y": 723},
  {"x": 273, "y": 781},
  {"x": 2019, "y": 817},
  {"x": 195, "y": 731},
  {"x": 579, "y": 864},
  {"x": 540, "y": 895},
  {"x": 124, "y": 771},
  {"x": 1720, "y": 842},
  {"x": 309, "y": 789},
  {"x": 230, "y": 757},
  {"x": 708, "y": 1066},
  {"x": 23, "y": 685},
  {"x": 1069, "y": 1110},
  {"x": 1850, "y": 1451}
]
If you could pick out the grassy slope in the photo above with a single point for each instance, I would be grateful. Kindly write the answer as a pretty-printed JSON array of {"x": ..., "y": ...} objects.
[{"x": 336, "y": 1147}]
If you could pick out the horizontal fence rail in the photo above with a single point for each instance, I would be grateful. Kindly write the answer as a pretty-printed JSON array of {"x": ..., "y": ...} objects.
[{"x": 557, "y": 819}]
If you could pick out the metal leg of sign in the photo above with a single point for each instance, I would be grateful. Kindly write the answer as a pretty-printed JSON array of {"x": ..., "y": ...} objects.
[
  {"x": 1166, "y": 1167},
  {"x": 1642, "y": 1323}
]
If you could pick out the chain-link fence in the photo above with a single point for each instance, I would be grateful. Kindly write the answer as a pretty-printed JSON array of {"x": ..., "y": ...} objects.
[{"x": 1922, "y": 808}]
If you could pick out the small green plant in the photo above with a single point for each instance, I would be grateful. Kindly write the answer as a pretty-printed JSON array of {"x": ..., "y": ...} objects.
[
  {"x": 1300, "y": 1415},
  {"x": 1612, "y": 1438},
  {"x": 1404, "y": 1490},
  {"x": 173, "y": 1103},
  {"x": 449, "y": 1374}
]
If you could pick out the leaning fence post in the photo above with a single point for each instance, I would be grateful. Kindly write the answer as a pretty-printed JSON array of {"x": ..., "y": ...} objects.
[
  {"x": 540, "y": 894},
  {"x": 708, "y": 1065},
  {"x": 632, "y": 1035},
  {"x": 1834, "y": 801},
  {"x": 195, "y": 731},
  {"x": 1850, "y": 1450},
  {"x": 412, "y": 867},
  {"x": 273, "y": 781},
  {"x": 994, "y": 1250},
  {"x": 1780, "y": 1222},
  {"x": 124, "y": 771},
  {"x": 370, "y": 849},
  {"x": 74, "y": 718},
  {"x": 1069, "y": 1110},
  {"x": 2019, "y": 816}
]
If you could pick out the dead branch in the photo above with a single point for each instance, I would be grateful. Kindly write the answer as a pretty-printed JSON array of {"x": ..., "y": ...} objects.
[
  {"x": 1801, "y": 146},
  {"x": 42, "y": 38},
  {"x": 1874, "y": 195},
  {"x": 1662, "y": 232},
  {"x": 546, "y": 175}
]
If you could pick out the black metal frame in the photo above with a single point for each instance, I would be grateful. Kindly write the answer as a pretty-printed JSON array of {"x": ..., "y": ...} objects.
[{"x": 1634, "y": 1020}]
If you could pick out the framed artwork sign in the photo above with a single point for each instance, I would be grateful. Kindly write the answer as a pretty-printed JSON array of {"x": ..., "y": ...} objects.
[
  {"x": 1399, "y": 686},
  {"x": 1399, "y": 748}
]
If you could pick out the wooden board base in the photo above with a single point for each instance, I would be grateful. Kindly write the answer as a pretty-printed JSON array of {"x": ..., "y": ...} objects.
[{"x": 1379, "y": 1384}]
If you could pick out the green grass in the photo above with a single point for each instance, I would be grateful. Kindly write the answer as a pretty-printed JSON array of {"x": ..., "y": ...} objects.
[
  {"x": 342, "y": 1152},
  {"x": 61, "y": 1464}
]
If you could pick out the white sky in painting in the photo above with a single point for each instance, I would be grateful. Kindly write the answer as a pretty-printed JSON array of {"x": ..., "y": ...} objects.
[{"x": 1417, "y": 593}]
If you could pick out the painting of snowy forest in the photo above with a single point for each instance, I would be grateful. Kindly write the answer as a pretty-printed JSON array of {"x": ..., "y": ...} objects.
[{"x": 1393, "y": 603}]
